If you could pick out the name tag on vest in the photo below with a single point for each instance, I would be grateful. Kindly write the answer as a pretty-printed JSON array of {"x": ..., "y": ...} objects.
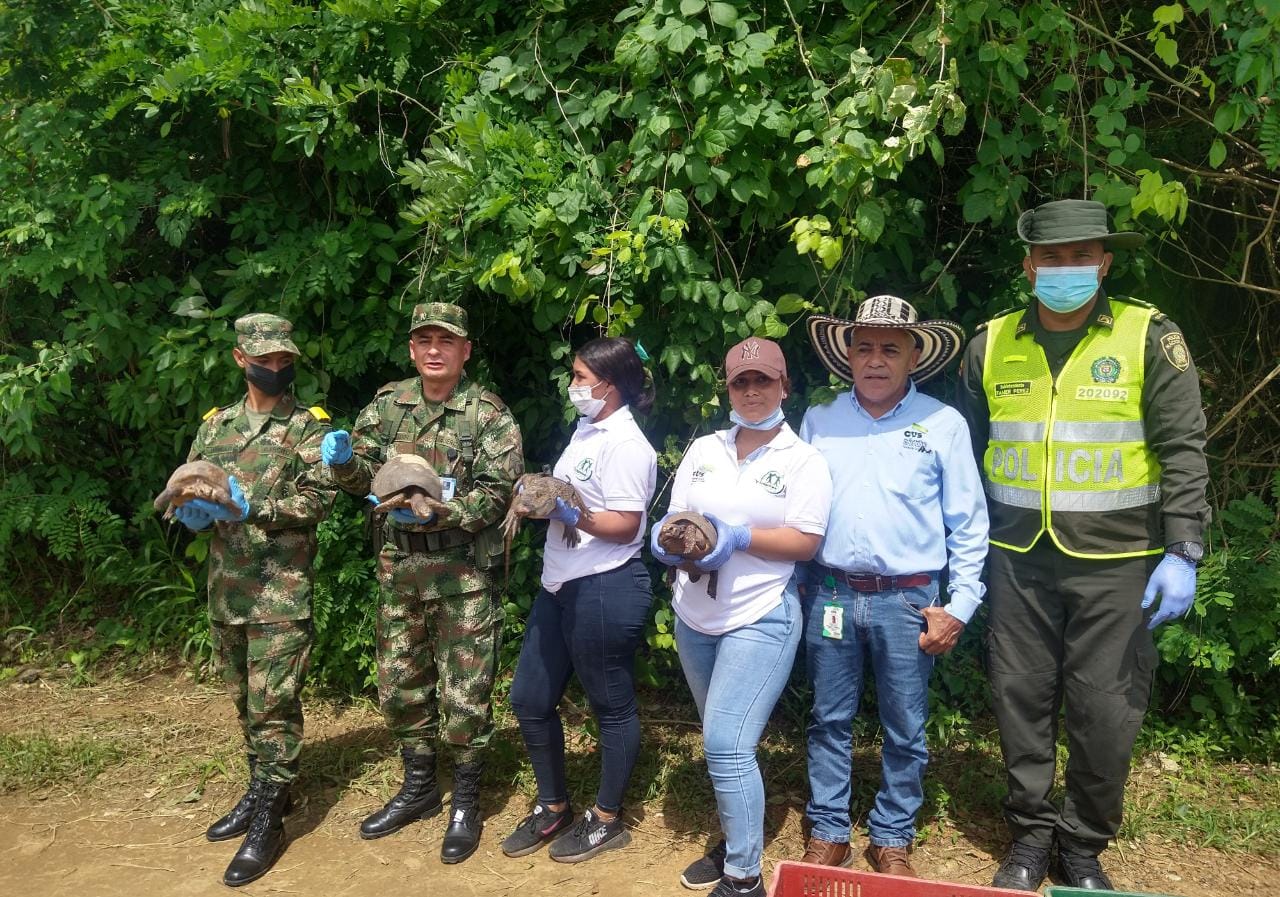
[{"x": 1017, "y": 388}]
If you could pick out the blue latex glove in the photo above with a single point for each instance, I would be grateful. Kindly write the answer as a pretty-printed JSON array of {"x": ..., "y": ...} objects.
[
  {"x": 335, "y": 448},
  {"x": 663, "y": 557},
  {"x": 192, "y": 518},
  {"x": 221, "y": 513},
  {"x": 402, "y": 516},
  {"x": 567, "y": 515},
  {"x": 729, "y": 538},
  {"x": 1174, "y": 580}
]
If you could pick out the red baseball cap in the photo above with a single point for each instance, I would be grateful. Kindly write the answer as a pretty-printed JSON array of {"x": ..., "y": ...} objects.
[{"x": 755, "y": 354}]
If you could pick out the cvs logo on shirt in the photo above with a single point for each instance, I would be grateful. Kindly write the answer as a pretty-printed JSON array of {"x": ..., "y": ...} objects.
[{"x": 700, "y": 473}]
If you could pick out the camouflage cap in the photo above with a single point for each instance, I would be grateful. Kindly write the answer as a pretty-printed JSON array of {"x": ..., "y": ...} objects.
[
  {"x": 262, "y": 334},
  {"x": 452, "y": 318}
]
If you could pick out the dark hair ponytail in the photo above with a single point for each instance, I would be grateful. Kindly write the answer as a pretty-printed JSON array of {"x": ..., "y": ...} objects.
[{"x": 614, "y": 358}]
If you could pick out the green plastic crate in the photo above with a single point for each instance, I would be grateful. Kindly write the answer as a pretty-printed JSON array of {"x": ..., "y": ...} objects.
[{"x": 1061, "y": 891}]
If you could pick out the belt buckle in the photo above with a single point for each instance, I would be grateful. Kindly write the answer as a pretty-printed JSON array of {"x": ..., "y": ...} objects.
[{"x": 883, "y": 583}]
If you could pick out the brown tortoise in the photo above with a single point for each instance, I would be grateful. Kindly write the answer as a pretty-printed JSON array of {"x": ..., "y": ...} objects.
[
  {"x": 535, "y": 498},
  {"x": 407, "y": 481},
  {"x": 195, "y": 479},
  {"x": 693, "y": 537}
]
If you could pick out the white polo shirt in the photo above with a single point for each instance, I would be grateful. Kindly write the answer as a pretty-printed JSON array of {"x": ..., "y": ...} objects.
[
  {"x": 614, "y": 468},
  {"x": 782, "y": 483}
]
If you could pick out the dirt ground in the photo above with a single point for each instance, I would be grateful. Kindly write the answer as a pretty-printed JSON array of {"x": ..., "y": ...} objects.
[{"x": 138, "y": 827}]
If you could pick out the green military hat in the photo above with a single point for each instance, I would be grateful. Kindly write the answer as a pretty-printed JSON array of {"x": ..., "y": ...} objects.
[
  {"x": 446, "y": 315},
  {"x": 262, "y": 334},
  {"x": 1072, "y": 220}
]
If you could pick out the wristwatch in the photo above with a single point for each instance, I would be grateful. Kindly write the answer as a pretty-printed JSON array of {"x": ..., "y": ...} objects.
[{"x": 1191, "y": 551}]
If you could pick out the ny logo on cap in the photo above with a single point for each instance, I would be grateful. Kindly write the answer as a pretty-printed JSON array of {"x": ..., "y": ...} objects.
[{"x": 750, "y": 351}]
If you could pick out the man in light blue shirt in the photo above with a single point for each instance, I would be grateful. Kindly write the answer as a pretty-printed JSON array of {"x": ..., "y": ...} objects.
[{"x": 907, "y": 501}]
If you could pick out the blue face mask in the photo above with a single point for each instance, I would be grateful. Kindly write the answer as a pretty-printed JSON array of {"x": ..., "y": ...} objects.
[
  {"x": 1064, "y": 290},
  {"x": 768, "y": 423}
]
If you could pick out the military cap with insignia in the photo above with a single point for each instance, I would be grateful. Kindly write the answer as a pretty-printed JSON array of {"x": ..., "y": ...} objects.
[
  {"x": 444, "y": 315},
  {"x": 262, "y": 334}
]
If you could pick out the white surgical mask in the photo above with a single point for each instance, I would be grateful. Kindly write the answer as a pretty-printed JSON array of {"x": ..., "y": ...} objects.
[
  {"x": 767, "y": 423},
  {"x": 584, "y": 403}
]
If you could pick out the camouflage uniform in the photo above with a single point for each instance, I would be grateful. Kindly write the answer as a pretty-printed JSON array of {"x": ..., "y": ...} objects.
[
  {"x": 260, "y": 571},
  {"x": 439, "y": 620}
]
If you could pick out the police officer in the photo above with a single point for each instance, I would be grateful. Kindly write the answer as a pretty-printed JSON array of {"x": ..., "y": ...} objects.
[
  {"x": 1086, "y": 417},
  {"x": 438, "y": 619},
  {"x": 260, "y": 575}
]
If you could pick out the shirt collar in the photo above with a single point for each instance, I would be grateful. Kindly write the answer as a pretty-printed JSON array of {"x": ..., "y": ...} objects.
[
  {"x": 618, "y": 419},
  {"x": 1100, "y": 316},
  {"x": 906, "y": 401}
]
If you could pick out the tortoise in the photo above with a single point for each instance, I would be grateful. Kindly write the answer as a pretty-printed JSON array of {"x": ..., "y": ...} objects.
[
  {"x": 195, "y": 479},
  {"x": 691, "y": 536},
  {"x": 407, "y": 481},
  {"x": 535, "y": 497}
]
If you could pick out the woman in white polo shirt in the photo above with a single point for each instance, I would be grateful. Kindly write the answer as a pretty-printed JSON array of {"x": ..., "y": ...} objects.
[
  {"x": 768, "y": 495},
  {"x": 590, "y": 615}
]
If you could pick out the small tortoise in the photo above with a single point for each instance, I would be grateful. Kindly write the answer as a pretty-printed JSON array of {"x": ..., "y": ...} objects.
[
  {"x": 195, "y": 479},
  {"x": 691, "y": 536},
  {"x": 535, "y": 497},
  {"x": 407, "y": 481}
]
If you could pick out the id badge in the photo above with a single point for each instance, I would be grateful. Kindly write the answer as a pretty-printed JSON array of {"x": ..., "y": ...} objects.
[
  {"x": 832, "y": 620},
  {"x": 447, "y": 487}
]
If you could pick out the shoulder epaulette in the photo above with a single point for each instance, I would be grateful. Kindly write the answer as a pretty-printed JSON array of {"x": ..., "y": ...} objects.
[
  {"x": 318, "y": 413},
  {"x": 387, "y": 387},
  {"x": 1133, "y": 301},
  {"x": 211, "y": 412}
]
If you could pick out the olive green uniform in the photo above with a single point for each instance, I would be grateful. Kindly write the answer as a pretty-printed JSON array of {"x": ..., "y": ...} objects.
[
  {"x": 261, "y": 570},
  {"x": 1064, "y": 629},
  {"x": 439, "y": 618}
]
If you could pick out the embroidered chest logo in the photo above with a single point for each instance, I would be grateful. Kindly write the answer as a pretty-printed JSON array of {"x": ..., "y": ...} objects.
[
  {"x": 701, "y": 472},
  {"x": 773, "y": 483},
  {"x": 584, "y": 468},
  {"x": 1105, "y": 369},
  {"x": 913, "y": 439}
]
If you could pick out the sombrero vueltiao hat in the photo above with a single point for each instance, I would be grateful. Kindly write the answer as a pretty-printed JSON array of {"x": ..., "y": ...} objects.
[{"x": 940, "y": 341}]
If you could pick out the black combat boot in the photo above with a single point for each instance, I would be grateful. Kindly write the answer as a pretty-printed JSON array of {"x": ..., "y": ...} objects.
[
  {"x": 236, "y": 822},
  {"x": 462, "y": 837},
  {"x": 265, "y": 841},
  {"x": 418, "y": 798}
]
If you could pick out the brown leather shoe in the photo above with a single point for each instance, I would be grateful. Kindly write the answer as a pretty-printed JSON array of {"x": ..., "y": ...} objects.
[
  {"x": 890, "y": 861},
  {"x": 825, "y": 853}
]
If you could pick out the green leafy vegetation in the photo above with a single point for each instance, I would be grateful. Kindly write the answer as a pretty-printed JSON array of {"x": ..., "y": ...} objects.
[{"x": 680, "y": 171}]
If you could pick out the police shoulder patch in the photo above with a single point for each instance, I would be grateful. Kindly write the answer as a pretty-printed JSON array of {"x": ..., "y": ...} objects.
[
  {"x": 1175, "y": 350},
  {"x": 211, "y": 412},
  {"x": 318, "y": 413}
]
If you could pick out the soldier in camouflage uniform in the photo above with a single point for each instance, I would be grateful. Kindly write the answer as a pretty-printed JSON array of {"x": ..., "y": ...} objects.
[
  {"x": 439, "y": 619},
  {"x": 260, "y": 575}
]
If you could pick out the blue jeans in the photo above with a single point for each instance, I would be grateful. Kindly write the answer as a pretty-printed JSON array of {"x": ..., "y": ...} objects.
[
  {"x": 886, "y": 627},
  {"x": 593, "y": 627},
  {"x": 736, "y": 678}
]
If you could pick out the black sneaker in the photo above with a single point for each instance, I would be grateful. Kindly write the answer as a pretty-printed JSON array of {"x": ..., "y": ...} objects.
[
  {"x": 536, "y": 829},
  {"x": 1023, "y": 868},
  {"x": 707, "y": 871},
  {"x": 592, "y": 835},
  {"x": 1082, "y": 870},
  {"x": 731, "y": 887}
]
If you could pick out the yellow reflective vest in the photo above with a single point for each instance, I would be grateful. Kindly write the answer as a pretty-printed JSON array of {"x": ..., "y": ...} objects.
[{"x": 1070, "y": 456}]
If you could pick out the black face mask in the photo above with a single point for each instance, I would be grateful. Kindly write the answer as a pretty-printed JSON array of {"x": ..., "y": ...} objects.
[{"x": 271, "y": 382}]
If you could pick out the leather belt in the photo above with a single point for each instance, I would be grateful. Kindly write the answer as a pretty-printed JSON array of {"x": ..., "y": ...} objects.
[
  {"x": 425, "y": 542},
  {"x": 873, "y": 582}
]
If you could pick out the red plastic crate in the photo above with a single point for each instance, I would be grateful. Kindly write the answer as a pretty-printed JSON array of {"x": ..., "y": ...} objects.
[{"x": 792, "y": 879}]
